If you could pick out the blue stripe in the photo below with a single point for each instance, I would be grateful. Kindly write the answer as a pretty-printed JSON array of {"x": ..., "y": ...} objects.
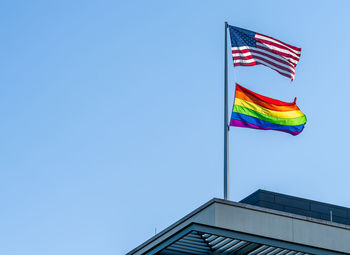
[
  {"x": 242, "y": 37},
  {"x": 265, "y": 124}
]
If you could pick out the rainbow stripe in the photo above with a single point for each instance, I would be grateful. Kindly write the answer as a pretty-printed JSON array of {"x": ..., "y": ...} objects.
[{"x": 252, "y": 110}]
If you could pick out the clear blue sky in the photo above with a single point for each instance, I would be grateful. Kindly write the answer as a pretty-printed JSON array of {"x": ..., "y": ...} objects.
[{"x": 112, "y": 116}]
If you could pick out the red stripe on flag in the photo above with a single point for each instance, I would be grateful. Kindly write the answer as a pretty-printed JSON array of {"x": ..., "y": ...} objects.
[
  {"x": 288, "y": 45},
  {"x": 245, "y": 64},
  {"x": 284, "y": 74},
  {"x": 256, "y": 63},
  {"x": 252, "y": 50},
  {"x": 274, "y": 64},
  {"x": 278, "y": 46},
  {"x": 257, "y": 58},
  {"x": 263, "y": 98},
  {"x": 283, "y": 54},
  {"x": 284, "y": 61}
]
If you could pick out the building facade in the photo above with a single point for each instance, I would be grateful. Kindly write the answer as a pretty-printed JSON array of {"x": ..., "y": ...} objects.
[{"x": 264, "y": 223}]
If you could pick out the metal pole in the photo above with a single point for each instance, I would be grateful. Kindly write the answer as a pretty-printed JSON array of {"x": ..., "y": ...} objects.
[{"x": 226, "y": 126}]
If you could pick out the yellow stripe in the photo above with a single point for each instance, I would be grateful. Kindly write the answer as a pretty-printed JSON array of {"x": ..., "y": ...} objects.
[{"x": 277, "y": 114}]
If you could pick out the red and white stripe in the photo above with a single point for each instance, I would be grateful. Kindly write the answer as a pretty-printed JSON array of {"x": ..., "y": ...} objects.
[{"x": 270, "y": 52}]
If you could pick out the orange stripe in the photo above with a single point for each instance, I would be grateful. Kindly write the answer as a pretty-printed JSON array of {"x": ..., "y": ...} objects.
[{"x": 251, "y": 98}]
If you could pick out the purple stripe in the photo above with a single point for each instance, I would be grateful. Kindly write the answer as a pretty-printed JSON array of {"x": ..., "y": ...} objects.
[{"x": 239, "y": 123}]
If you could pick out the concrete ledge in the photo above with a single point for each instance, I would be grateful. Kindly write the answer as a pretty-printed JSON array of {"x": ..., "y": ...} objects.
[{"x": 262, "y": 222}]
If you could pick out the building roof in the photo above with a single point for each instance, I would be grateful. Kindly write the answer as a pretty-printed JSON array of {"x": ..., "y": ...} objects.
[
  {"x": 225, "y": 227},
  {"x": 300, "y": 206}
]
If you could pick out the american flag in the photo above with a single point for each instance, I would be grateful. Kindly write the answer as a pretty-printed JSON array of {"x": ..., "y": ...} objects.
[{"x": 250, "y": 48}]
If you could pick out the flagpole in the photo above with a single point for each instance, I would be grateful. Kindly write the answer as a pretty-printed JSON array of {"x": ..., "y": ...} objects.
[{"x": 226, "y": 126}]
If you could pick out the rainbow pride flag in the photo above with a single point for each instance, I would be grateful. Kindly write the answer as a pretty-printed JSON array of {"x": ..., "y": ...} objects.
[{"x": 252, "y": 110}]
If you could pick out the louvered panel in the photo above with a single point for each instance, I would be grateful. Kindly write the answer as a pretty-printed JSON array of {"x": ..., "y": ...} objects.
[{"x": 196, "y": 243}]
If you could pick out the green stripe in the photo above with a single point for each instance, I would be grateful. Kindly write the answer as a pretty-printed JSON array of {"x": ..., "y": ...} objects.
[{"x": 288, "y": 122}]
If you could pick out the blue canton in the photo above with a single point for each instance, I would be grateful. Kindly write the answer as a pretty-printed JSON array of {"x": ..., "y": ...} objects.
[{"x": 242, "y": 37}]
